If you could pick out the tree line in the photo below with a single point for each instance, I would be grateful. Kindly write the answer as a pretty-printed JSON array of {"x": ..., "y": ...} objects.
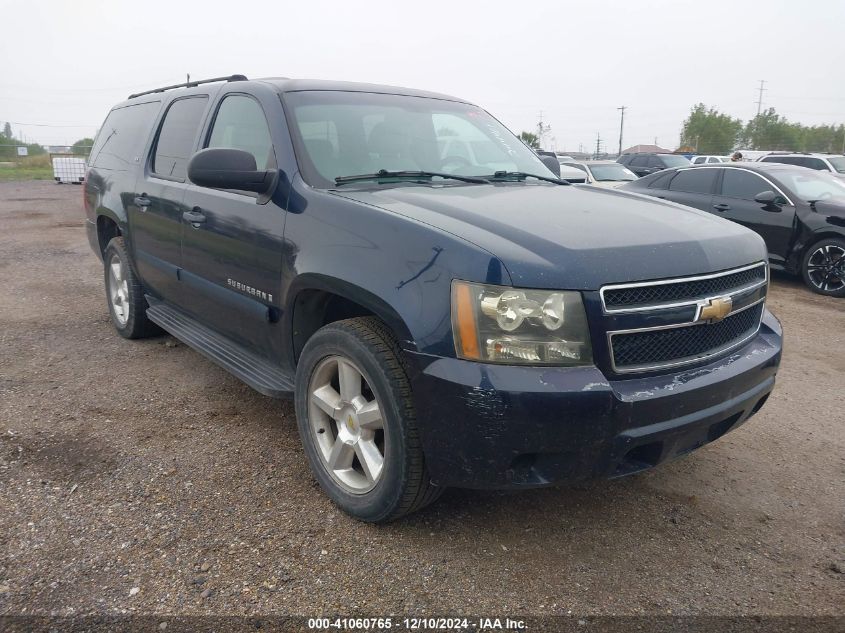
[
  {"x": 9, "y": 144},
  {"x": 709, "y": 131}
]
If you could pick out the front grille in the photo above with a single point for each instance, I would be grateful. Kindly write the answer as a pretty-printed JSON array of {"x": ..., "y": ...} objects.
[
  {"x": 637, "y": 296},
  {"x": 640, "y": 350}
]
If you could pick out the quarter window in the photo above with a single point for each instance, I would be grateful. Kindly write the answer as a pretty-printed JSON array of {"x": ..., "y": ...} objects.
[
  {"x": 120, "y": 141},
  {"x": 177, "y": 137},
  {"x": 240, "y": 124},
  {"x": 694, "y": 181},
  {"x": 742, "y": 184}
]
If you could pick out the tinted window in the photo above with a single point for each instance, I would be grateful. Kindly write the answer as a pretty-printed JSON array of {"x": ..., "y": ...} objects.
[
  {"x": 240, "y": 124},
  {"x": 694, "y": 181},
  {"x": 737, "y": 183},
  {"x": 815, "y": 163},
  {"x": 698, "y": 160},
  {"x": 661, "y": 181},
  {"x": 177, "y": 136},
  {"x": 654, "y": 161},
  {"x": 639, "y": 161},
  {"x": 121, "y": 139}
]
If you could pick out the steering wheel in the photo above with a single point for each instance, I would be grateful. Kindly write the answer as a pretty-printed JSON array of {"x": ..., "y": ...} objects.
[{"x": 453, "y": 163}]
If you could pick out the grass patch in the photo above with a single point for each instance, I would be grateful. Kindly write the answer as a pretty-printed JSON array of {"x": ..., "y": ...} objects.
[{"x": 27, "y": 168}]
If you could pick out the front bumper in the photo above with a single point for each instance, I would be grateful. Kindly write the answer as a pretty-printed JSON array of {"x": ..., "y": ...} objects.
[{"x": 499, "y": 426}]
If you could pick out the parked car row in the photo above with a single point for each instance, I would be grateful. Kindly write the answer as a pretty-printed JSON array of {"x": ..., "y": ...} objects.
[{"x": 799, "y": 212}]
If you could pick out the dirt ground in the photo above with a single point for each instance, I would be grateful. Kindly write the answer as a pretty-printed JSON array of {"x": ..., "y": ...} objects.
[{"x": 138, "y": 477}]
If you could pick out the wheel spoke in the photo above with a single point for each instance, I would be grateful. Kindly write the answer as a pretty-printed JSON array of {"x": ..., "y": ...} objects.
[
  {"x": 370, "y": 457},
  {"x": 350, "y": 381},
  {"x": 369, "y": 416},
  {"x": 117, "y": 273},
  {"x": 328, "y": 400},
  {"x": 341, "y": 456}
]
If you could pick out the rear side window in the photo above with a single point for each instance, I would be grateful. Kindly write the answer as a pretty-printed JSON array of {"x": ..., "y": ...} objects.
[
  {"x": 177, "y": 137},
  {"x": 654, "y": 161},
  {"x": 121, "y": 139},
  {"x": 694, "y": 181},
  {"x": 240, "y": 124},
  {"x": 815, "y": 163},
  {"x": 639, "y": 161},
  {"x": 737, "y": 183},
  {"x": 661, "y": 181}
]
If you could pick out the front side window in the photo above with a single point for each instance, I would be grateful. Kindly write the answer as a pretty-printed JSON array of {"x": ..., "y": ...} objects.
[
  {"x": 240, "y": 124},
  {"x": 815, "y": 163},
  {"x": 352, "y": 133},
  {"x": 177, "y": 137},
  {"x": 694, "y": 181},
  {"x": 737, "y": 183}
]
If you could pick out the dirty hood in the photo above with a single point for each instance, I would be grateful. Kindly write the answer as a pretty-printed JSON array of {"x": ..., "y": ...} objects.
[{"x": 570, "y": 237}]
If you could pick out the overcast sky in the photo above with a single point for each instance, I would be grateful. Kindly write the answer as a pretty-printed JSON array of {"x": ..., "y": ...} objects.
[{"x": 65, "y": 63}]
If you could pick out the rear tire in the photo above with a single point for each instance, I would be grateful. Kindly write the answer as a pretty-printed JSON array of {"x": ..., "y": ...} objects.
[
  {"x": 357, "y": 421},
  {"x": 823, "y": 267},
  {"x": 125, "y": 294}
]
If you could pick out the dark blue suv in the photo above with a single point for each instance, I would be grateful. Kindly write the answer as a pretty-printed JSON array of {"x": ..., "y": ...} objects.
[{"x": 443, "y": 309}]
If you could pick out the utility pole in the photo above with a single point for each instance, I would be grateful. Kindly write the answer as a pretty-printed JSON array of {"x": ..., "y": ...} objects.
[
  {"x": 621, "y": 126},
  {"x": 760, "y": 98},
  {"x": 542, "y": 128},
  {"x": 189, "y": 77},
  {"x": 598, "y": 145}
]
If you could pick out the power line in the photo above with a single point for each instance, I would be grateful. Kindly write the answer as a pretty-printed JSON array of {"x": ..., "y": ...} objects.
[{"x": 54, "y": 124}]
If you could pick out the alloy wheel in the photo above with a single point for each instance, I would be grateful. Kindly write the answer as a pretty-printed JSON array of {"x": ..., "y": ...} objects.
[
  {"x": 346, "y": 420},
  {"x": 826, "y": 268},
  {"x": 118, "y": 290}
]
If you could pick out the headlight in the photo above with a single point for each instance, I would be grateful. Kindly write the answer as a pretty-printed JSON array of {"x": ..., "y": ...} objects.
[{"x": 498, "y": 324}]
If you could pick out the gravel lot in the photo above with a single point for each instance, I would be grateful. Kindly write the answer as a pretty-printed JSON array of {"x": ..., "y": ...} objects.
[{"x": 137, "y": 477}]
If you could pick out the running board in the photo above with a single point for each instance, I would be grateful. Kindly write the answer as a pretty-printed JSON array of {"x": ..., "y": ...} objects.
[{"x": 255, "y": 371}]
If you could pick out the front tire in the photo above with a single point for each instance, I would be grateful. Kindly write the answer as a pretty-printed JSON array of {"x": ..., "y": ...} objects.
[
  {"x": 125, "y": 294},
  {"x": 357, "y": 421},
  {"x": 823, "y": 267}
]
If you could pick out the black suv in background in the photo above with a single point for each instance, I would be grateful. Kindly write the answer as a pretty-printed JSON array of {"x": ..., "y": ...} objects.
[
  {"x": 799, "y": 212},
  {"x": 644, "y": 164},
  {"x": 443, "y": 309}
]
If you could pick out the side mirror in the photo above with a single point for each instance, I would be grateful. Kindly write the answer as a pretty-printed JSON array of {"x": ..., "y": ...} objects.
[
  {"x": 224, "y": 168},
  {"x": 769, "y": 199},
  {"x": 552, "y": 164}
]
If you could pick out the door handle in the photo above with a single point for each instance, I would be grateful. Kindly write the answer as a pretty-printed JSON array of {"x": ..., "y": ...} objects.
[
  {"x": 142, "y": 201},
  {"x": 194, "y": 216},
  {"x": 722, "y": 207}
]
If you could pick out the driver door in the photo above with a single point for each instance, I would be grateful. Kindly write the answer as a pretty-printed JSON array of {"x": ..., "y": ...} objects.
[{"x": 734, "y": 200}]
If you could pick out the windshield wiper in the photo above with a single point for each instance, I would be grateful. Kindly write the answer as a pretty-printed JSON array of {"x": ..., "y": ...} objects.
[
  {"x": 406, "y": 175},
  {"x": 522, "y": 175}
]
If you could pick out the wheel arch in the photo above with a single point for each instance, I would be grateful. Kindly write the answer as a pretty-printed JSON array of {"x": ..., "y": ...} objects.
[
  {"x": 108, "y": 227},
  {"x": 316, "y": 300}
]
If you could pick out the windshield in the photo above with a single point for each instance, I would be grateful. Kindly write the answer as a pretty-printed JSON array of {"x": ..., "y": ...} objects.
[
  {"x": 612, "y": 172},
  {"x": 671, "y": 160},
  {"x": 811, "y": 185},
  {"x": 341, "y": 134},
  {"x": 838, "y": 163}
]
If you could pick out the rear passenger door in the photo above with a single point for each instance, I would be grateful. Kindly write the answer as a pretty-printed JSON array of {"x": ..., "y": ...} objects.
[
  {"x": 734, "y": 200},
  {"x": 693, "y": 187},
  {"x": 232, "y": 258},
  {"x": 155, "y": 217}
]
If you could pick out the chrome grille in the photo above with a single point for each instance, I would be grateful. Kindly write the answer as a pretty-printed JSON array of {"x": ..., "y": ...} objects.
[
  {"x": 677, "y": 345},
  {"x": 643, "y": 296}
]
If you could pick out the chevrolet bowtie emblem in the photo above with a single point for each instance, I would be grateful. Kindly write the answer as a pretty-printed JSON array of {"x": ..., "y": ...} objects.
[{"x": 715, "y": 309}]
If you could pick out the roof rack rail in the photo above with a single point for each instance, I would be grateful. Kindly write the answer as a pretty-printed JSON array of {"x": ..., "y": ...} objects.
[{"x": 190, "y": 84}]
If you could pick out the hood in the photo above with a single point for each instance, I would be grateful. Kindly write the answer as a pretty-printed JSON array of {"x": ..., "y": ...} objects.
[{"x": 574, "y": 237}]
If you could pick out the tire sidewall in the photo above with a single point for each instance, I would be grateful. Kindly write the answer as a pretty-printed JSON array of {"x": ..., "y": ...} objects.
[
  {"x": 115, "y": 248},
  {"x": 381, "y": 501},
  {"x": 806, "y": 259}
]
